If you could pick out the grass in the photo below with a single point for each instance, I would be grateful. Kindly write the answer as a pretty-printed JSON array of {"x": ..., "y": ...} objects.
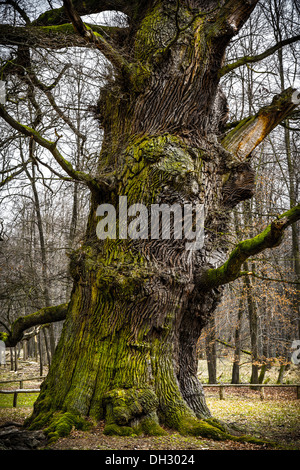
[
  {"x": 277, "y": 418},
  {"x": 24, "y": 400},
  {"x": 224, "y": 371}
]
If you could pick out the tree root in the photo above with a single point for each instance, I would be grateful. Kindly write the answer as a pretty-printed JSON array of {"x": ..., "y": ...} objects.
[
  {"x": 60, "y": 424},
  {"x": 213, "y": 429}
]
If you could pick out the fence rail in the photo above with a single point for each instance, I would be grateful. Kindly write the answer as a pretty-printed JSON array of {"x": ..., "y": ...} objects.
[
  {"x": 220, "y": 386},
  {"x": 19, "y": 390},
  {"x": 40, "y": 377},
  {"x": 262, "y": 387}
]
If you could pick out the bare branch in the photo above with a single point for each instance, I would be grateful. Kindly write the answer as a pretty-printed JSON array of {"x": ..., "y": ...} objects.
[
  {"x": 14, "y": 174},
  {"x": 257, "y": 58},
  {"x": 51, "y": 146},
  {"x": 271, "y": 237},
  {"x": 59, "y": 16},
  {"x": 48, "y": 37},
  {"x": 47, "y": 90},
  {"x": 95, "y": 38},
  {"x": 265, "y": 278},
  {"x": 17, "y": 7}
]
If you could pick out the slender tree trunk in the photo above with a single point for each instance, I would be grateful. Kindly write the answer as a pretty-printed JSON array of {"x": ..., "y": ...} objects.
[
  {"x": 235, "y": 379},
  {"x": 252, "y": 305},
  {"x": 47, "y": 346},
  {"x": 11, "y": 358},
  {"x": 38, "y": 214},
  {"x": 40, "y": 346},
  {"x": 253, "y": 325},
  {"x": 211, "y": 353}
]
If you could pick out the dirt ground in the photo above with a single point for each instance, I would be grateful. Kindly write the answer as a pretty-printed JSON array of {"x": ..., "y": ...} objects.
[{"x": 276, "y": 418}]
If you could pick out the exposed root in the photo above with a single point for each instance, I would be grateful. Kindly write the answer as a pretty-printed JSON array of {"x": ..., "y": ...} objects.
[
  {"x": 60, "y": 425},
  {"x": 212, "y": 429},
  {"x": 132, "y": 412}
]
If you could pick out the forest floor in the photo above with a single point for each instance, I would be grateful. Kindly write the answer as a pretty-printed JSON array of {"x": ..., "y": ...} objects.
[{"x": 276, "y": 419}]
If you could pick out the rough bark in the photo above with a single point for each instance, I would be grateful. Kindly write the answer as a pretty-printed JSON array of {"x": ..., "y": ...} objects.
[{"x": 127, "y": 353}]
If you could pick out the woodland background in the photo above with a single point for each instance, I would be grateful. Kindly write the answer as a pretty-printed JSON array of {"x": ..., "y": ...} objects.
[{"x": 43, "y": 214}]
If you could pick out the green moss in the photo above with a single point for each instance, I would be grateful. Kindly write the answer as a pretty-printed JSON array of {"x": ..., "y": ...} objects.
[
  {"x": 115, "y": 430},
  {"x": 62, "y": 28},
  {"x": 152, "y": 162},
  {"x": 62, "y": 424},
  {"x": 122, "y": 405},
  {"x": 150, "y": 426},
  {"x": 40, "y": 422},
  {"x": 3, "y": 337},
  {"x": 147, "y": 38},
  {"x": 212, "y": 429},
  {"x": 195, "y": 427}
]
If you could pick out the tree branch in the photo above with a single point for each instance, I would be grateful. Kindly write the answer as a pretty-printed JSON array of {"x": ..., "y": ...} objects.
[
  {"x": 228, "y": 345},
  {"x": 271, "y": 237},
  {"x": 48, "y": 37},
  {"x": 59, "y": 16},
  {"x": 265, "y": 278},
  {"x": 243, "y": 138},
  {"x": 257, "y": 58},
  {"x": 17, "y": 7},
  {"x": 233, "y": 15},
  {"x": 14, "y": 174},
  {"x": 51, "y": 146},
  {"x": 41, "y": 317},
  {"x": 95, "y": 38}
]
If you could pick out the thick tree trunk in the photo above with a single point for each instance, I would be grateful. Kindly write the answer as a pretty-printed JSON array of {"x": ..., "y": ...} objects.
[
  {"x": 128, "y": 347},
  {"x": 127, "y": 353}
]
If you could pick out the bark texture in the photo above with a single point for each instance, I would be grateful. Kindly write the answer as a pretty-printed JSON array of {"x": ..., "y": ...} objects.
[{"x": 127, "y": 353}]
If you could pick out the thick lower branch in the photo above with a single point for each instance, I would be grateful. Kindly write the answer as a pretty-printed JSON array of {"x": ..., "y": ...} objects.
[
  {"x": 59, "y": 15},
  {"x": 269, "y": 238},
  {"x": 250, "y": 132},
  {"x": 41, "y": 317},
  {"x": 92, "y": 37},
  {"x": 48, "y": 37}
]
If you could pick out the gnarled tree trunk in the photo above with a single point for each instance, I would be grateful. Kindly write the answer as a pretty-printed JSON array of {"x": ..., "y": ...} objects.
[{"x": 127, "y": 353}]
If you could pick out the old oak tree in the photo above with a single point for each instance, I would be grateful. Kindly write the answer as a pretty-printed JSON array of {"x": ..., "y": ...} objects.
[{"x": 127, "y": 353}]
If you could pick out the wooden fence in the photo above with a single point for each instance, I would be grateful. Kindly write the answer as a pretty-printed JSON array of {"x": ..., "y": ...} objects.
[
  {"x": 220, "y": 386},
  {"x": 21, "y": 389},
  {"x": 262, "y": 387}
]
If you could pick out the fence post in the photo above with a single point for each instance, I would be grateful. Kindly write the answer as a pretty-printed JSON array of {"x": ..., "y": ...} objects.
[
  {"x": 221, "y": 390},
  {"x": 262, "y": 393}
]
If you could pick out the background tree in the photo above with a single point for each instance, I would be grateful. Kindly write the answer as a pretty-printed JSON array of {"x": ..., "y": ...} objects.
[
  {"x": 127, "y": 352},
  {"x": 247, "y": 87}
]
